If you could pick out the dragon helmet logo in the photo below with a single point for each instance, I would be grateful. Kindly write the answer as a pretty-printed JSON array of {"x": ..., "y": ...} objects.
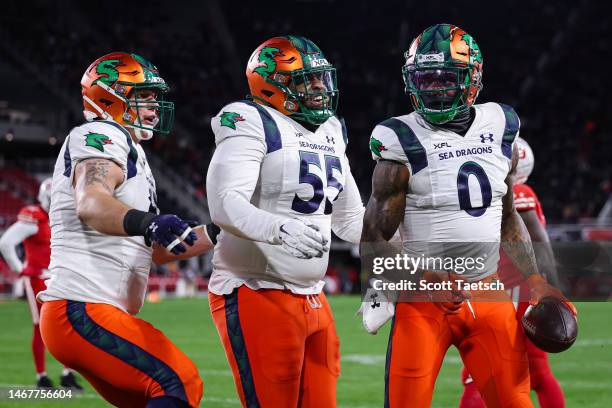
[{"x": 267, "y": 64}]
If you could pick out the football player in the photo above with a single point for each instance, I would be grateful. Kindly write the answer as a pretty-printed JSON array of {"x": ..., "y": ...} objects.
[
  {"x": 542, "y": 379},
  {"x": 104, "y": 219},
  {"x": 279, "y": 182},
  {"x": 444, "y": 172},
  {"x": 32, "y": 230}
]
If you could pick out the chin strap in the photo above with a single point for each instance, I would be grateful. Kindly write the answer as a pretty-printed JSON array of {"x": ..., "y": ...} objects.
[
  {"x": 141, "y": 134},
  {"x": 89, "y": 116}
]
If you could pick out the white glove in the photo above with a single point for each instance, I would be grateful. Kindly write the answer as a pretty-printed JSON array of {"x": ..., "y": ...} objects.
[
  {"x": 376, "y": 310},
  {"x": 302, "y": 240}
]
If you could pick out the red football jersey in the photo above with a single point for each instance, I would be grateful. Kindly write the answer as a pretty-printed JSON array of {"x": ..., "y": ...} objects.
[
  {"x": 38, "y": 246},
  {"x": 525, "y": 199}
]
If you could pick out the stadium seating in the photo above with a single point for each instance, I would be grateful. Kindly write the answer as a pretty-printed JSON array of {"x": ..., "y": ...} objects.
[{"x": 531, "y": 66}]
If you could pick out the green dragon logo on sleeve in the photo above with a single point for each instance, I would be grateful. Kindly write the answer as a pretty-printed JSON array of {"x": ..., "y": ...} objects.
[
  {"x": 97, "y": 141},
  {"x": 376, "y": 146},
  {"x": 266, "y": 58},
  {"x": 229, "y": 119},
  {"x": 108, "y": 68}
]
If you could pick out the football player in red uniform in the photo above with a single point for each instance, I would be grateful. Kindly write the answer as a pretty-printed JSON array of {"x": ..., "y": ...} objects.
[
  {"x": 32, "y": 229},
  {"x": 543, "y": 382}
]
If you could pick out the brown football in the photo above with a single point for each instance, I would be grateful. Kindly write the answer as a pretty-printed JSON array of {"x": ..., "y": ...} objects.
[{"x": 550, "y": 325}]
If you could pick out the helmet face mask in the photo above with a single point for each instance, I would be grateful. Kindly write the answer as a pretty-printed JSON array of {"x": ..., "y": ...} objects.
[
  {"x": 292, "y": 75},
  {"x": 111, "y": 87},
  {"x": 315, "y": 92},
  {"x": 164, "y": 110},
  {"x": 439, "y": 92},
  {"x": 443, "y": 73}
]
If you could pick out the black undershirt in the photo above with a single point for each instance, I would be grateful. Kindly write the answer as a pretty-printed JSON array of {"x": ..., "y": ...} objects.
[
  {"x": 309, "y": 126},
  {"x": 460, "y": 123}
]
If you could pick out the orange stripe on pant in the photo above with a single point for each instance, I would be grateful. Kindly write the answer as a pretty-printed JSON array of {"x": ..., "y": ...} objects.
[
  {"x": 127, "y": 360},
  {"x": 282, "y": 347},
  {"x": 491, "y": 346}
]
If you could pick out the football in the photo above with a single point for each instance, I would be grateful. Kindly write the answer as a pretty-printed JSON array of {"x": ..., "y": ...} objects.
[{"x": 550, "y": 325}]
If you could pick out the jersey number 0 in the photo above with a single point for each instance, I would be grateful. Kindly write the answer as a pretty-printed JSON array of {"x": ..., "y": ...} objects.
[{"x": 466, "y": 170}]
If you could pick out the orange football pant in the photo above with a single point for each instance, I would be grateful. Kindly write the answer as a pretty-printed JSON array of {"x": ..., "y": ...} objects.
[
  {"x": 542, "y": 379},
  {"x": 127, "y": 360},
  {"x": 491, "y": 345},
  {"x": 282, "y": 347}
]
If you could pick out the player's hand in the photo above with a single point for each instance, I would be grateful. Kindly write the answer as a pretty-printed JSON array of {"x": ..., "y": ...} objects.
[
  {"x": 449, "y": 300},
  {"x": 302, "y": 240},
  {"x": 375, "y": 311},
  {"x": 539, "y": 289},
  {"x": 168, "y": 230}
]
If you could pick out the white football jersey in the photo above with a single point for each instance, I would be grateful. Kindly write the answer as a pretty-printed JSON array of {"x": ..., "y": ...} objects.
[
  {"x": 456, "y": 182},
  {"x": 87, "y": 265},
  {"x": 293, "y": 173}
]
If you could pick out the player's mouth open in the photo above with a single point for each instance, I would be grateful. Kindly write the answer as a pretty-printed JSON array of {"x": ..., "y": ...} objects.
[
  {"x": 316, "y": 101},
  {"x": 150, "y": 120}
]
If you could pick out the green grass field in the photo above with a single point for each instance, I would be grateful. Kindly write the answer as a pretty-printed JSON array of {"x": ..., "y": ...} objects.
[{"x": 585, "y": 371}]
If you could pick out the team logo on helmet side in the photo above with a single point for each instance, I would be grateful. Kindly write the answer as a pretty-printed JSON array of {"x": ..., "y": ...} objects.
[
  {"x": 229, "y": 119},
  {"x": 109, "y": 72},
  {"x": 266, "y": 59}
]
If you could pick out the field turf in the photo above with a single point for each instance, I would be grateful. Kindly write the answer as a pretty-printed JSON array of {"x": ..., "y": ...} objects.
[{"x": 585, "y": 371}]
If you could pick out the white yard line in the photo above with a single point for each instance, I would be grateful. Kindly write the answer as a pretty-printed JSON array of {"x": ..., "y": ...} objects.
[
  {"x": 215, "y": 373},
  {"x": 592, "y": 342},
  {"x": 231, "y": 401},
  {"x": 374, "y": 359}
]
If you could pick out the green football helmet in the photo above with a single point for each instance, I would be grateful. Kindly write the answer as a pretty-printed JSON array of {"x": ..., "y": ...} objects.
[{"x": 443, "y": 73}]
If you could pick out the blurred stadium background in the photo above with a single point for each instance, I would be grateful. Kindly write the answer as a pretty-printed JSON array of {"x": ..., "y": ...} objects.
[{"x": 545, "y": 58}]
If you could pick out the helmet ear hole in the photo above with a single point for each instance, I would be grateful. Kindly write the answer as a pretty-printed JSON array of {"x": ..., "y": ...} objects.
[
  {"x": 105, "y": 102},
  {"x": 267, "y": 93}
]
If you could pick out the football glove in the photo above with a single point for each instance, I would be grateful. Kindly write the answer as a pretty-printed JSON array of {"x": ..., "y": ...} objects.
[
  {"x": 168, "y": 230},
  {"x": 375, "y": 310},
  {"x": 302, "y": 240}
]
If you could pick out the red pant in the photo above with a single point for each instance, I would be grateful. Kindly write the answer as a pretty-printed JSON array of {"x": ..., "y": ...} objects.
[
  {"x": 282, "y": 348},
  {"x": 127, "y": 360},
  {"x": 32, "y": 286}
]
